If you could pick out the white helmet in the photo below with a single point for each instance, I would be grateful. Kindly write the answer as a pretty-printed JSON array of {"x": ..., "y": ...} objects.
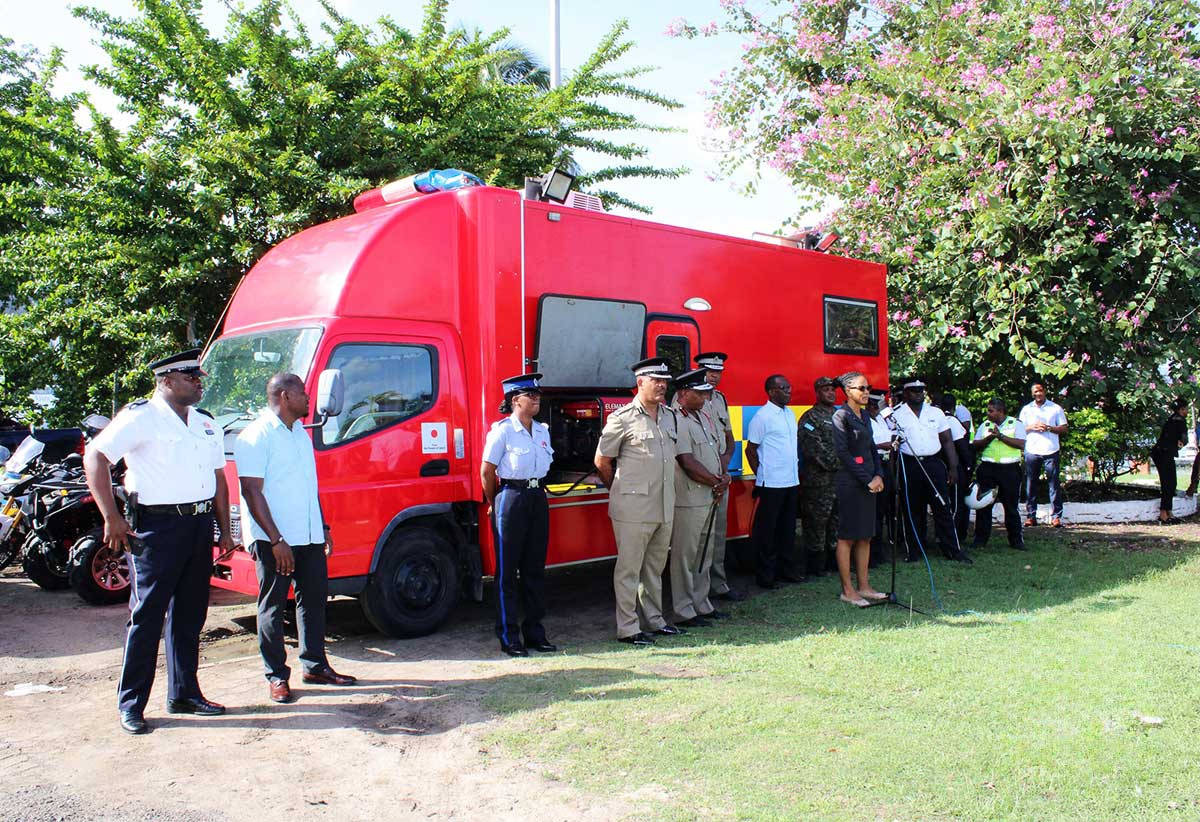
[{"x": 975, "y": 500}]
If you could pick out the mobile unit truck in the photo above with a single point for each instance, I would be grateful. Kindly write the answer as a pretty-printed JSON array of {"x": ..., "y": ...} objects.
[{"x": 424, "y": 305}]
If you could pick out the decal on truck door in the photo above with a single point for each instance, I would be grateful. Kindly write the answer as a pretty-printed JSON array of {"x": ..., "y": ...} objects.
[{"x": 433, "y": 438}]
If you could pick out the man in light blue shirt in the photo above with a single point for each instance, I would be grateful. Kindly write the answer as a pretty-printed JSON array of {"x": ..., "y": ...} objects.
[
  {"x": 772, "y": 449},
  {"x": 287, "y": 537}
]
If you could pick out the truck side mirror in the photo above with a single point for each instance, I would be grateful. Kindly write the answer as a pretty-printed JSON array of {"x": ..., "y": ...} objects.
[{"x": 330, "y": 396}]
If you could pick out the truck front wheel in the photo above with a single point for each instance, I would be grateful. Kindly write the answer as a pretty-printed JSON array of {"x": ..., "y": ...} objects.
[{"x": 415, "y": 584}]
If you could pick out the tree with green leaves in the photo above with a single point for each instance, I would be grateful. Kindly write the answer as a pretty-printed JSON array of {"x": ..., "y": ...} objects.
[
  {"x": 133, "y": 245},
  {"x": 1029, "y": 171}
]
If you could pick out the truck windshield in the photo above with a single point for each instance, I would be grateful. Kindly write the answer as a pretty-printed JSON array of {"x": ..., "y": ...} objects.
[{"x": 238, "y": 369}]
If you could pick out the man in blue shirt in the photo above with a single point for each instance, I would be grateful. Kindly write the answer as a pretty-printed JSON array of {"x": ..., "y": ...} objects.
[
  {"x": 278, "y": 474},
  {"x": 772, "y": 449}
]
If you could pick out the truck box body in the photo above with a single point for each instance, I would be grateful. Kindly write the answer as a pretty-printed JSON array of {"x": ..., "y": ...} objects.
[{"x": 427, "y": 304}]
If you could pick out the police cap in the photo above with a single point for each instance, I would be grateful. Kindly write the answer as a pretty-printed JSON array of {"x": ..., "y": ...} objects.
[
  {"x": 823, "y": 382},
  {"x": 657, "y": 367},
  {"x": 186, "y": 361},
  {"x": 712, "y": 360},
  {"x": 694, "y": 380},
  {"x": 522, "y": 384},
  {"x": 917, "y": 383}
]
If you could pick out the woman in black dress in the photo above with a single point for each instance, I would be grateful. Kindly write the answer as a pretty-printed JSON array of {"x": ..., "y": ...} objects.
[
  {"x": 858, "y": 482},
  {"x": 1170, "y": 440}
]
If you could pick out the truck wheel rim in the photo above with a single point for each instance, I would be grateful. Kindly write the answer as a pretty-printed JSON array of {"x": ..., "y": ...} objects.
[
  {"x": 419, "y": 582},
  {"x": 109, "y": 570}
]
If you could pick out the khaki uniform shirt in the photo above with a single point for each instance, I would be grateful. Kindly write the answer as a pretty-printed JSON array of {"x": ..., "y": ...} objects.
[
  {"x": 718, "y": 408},
  {"x": 698, "y": 437},
  {"x": 643, "y": 488}
]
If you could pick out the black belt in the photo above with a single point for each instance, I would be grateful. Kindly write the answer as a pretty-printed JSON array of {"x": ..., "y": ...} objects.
[
  {"x": 184, "y": 509},
  {"x": 921, "y": 459},
  {"x": 525, "y": 483}
]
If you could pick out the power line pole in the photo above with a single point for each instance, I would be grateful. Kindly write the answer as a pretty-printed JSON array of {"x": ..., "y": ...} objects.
[{"x": 555, "y": 61}]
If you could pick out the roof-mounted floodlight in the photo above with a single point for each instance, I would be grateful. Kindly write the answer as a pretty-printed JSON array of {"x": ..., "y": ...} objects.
[{"x": 553, "y": 185}]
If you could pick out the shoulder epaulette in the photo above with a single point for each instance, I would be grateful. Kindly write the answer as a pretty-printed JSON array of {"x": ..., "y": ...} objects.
[
  {"x": 136, "y": 404},
  {"x": 202, "y": 411}
]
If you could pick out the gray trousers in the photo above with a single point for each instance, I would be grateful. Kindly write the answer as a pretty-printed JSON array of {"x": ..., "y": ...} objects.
[{"x": 311, "y": 577}]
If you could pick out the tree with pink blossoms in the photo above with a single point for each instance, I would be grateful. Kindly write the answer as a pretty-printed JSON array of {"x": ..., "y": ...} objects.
[{"x": 1029, "y": 170}]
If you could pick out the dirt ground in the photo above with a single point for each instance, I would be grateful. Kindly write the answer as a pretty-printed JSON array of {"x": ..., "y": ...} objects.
[{"x": 405, "y": 743}]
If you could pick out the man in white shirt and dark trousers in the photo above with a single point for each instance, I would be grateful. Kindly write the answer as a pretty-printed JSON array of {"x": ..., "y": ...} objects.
[
  {"x": 291, "y": 543},
  {"x": 175, "y": 458},
  {"x": 925, "y": 478},
  {"x": 1044, "y": 421},
  {"x": 772, "y": 451}
]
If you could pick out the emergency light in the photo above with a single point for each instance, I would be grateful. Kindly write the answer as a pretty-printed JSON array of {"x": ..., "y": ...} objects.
[{"x": 407, "y": 188}]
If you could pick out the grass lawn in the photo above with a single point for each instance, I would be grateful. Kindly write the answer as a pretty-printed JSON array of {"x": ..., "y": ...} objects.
[{"x": 1064, "y": 687}]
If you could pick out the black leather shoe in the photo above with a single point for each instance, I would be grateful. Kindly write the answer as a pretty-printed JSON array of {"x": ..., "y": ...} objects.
[
  {"x": 132, "y": 723},
  {"x": 542, "y": 646},
  {"x": 516, "y": 649},
  {"x": 637, "y": 639},
  {"x": 197, "y": 705},
  {"x": 963, "y": 557},
  {"x": 912, "y": 558},
  {"x": 694, "y": 622},
  {"x": 767, "y": 584},
  {"x": 794, "y": 580},
  {"x": 671, "y": 630},
  {"x": 732, "y": 595},
  {"x": 715, "y": 614},
  {"x": 1020, "y": 547}
]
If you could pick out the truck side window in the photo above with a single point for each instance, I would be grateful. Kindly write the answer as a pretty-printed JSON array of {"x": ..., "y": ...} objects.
[
  {"x": 851, "y": 326},
  {"x": 384, "y": 383},
  {"x": 678, "y": 351}
]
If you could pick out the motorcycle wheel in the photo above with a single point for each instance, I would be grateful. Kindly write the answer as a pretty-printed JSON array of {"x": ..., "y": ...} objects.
[
  {"x": 10, "y": 549},
  {"x": 33, "y": 562},
  {"x": 98, "y": 574}
]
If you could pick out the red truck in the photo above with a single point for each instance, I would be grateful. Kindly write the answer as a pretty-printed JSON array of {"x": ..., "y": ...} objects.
[{"x": 424, "y": 305}]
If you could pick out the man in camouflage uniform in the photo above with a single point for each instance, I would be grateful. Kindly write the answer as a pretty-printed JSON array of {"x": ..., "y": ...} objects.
[
  {"x": 635, "y": 460},
  {"x": 818, "y": 494},
  {"x": 717, "y": 408}
]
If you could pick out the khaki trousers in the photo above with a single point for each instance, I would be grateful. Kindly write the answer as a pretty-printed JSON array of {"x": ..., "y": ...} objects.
[
  {"x": 689, "y": 575},
  {"x": 637, "y": 577},
  {"x": 718, "y": 580}
]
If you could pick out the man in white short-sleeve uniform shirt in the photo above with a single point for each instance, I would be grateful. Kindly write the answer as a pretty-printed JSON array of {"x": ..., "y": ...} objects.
[
  {"x": 175, "y": 457},
  {"x": 925, "y": 477}
]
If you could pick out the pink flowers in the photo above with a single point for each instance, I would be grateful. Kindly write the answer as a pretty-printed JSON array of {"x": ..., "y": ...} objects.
[{"x": 1099, "y": 238}]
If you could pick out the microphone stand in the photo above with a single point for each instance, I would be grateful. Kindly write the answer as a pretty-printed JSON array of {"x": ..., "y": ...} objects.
[{"x": 896, "y": 533}]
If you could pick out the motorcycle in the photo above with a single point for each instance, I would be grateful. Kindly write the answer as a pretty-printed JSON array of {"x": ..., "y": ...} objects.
[{"x": 64, "y": 546}]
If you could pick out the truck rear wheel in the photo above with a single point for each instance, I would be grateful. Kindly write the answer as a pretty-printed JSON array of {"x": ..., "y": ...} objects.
[
  {"x": 98, "y": 574},
  {"x": 415, "y": 585}
]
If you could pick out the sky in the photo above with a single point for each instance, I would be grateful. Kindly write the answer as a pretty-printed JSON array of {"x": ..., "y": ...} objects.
[{"x": 686, "y": 69}]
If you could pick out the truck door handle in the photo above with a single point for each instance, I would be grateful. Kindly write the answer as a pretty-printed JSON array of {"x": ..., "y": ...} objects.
[{"x": 435, "y": 468}]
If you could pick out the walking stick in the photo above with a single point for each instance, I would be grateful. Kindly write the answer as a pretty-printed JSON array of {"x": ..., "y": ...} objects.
[{"x": 708, "y": 526}]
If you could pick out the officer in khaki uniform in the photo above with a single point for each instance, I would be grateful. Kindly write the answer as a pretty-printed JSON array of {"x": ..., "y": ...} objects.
[
  {"x": 635, "y": 459},
  {"x": 699, "y": 486},
  {"x": 717, "y": 408}
]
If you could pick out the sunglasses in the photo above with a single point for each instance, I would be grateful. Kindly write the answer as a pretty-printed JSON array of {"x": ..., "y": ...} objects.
[{"x": 858, "y": 388}]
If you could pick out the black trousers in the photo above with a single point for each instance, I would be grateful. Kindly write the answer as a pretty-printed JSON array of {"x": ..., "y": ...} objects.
[
  {"x": 774, "y": 532},
  {"x": 169, "y": 584},
  {"x": 311, "y": 578},
  {"x": 962, "y": 514},
  {"x": 1167, "y": 479},
  {"x": 521, "y": 527},
  {"x": 917, "y": 494},
  {"x": 1006, "y": 479}
]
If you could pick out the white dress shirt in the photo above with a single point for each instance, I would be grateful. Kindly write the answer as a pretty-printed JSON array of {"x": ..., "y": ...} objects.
[
  {"x": 920, "y": 431},
  {"x": 957, "y": 431},
  {"x": 283, "y": 459},
  {"x": 881, "y": 431},
  {"x": 168, "y": 461},
  {"x": 1042, "y": 443},
  {"x": 773, "y": 430},
  {"x": 518, "y": 454}
]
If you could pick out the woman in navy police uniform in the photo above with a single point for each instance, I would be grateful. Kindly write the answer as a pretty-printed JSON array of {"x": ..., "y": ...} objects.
[{"x": 516, "y": 457}]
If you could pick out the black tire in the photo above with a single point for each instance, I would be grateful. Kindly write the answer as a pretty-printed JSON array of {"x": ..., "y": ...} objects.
[
  {"x": 10, "y": 549},
  {"x": 33, "y": 562},
  {"x": 97, "y": 574},
  {"x": 415, "y": 585}
]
